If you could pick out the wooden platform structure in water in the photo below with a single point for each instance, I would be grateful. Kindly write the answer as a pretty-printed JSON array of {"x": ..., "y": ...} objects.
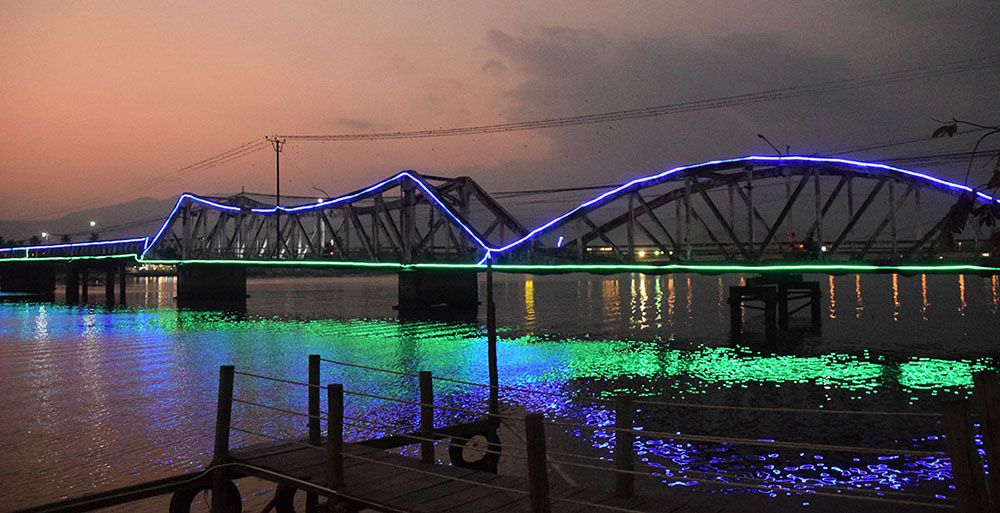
[{"x": 384, "y": 481}]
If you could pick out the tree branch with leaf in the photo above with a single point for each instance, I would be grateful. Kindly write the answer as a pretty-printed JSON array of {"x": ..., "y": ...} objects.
[{"x": 986, "y": 214}]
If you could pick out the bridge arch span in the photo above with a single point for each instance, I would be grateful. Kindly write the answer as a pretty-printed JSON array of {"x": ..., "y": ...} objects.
[{"x": 845, "y": 225}]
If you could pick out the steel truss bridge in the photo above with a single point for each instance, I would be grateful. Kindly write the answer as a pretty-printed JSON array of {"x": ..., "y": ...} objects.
[{"x": 742, "y": 214}]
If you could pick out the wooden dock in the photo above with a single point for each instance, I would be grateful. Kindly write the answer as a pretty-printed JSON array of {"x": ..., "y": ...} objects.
[
  {"x": 383, "y": 481},
  {"x": 335, "y": 474},
  {"x": 364, "y": 475}
]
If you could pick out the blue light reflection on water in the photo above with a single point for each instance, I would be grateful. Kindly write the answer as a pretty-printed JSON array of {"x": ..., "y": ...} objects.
[{"x": 144, "y": 380}]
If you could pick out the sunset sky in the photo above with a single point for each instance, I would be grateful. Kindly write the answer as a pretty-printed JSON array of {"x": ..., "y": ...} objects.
[{"x": 102, "y": 102}]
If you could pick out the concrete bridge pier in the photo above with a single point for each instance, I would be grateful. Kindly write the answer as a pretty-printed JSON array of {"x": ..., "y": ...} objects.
[
  {"x": 212, "y": 287},
  {"x": 438, "y": 294},
  {"x": 122, "y": 281},
  {"x": 109, "y": 286},
  {"x": 85, "y": 285},
  {"x": 72, "y": 285},
  {"x": 78, "y": 282},
  {"x": 34, "y": 280}
]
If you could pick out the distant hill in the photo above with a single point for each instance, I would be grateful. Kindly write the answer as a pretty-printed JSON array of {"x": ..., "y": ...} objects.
[{"x": 134, "y": 218}]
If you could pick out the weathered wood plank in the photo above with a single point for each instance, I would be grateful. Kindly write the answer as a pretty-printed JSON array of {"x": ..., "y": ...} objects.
[{"x": 386, "y": 478}]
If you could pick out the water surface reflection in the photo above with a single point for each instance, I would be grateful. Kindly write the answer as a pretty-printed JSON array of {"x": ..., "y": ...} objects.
[{"x": 95, "y": 398}]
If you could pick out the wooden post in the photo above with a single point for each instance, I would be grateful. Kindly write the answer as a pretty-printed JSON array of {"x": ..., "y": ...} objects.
[
  {"x": 770, "y": 313},
  {"x": 987, "y": 396},
  {"x": 223, "y": 418},
  {"x": 782, "y": 306},
  {"x": 223, "y": 413},
  {"x": 624, "y": 415},
  {"x": 426, "y": 416},
  {"x": 335, "y": 435},
  {"x": 491, "y": 339},
  {"x": 538, "y": 473},
  {"x": 814, "y": 306},
  {"x": 969, "y": 484},
  {"x": 315, "y": 437}
]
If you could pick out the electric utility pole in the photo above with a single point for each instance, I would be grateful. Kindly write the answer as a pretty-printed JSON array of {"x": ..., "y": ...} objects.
[{"x": 278, "y": 143}]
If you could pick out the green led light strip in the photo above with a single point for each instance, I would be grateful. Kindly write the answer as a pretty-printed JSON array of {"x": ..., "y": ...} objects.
[
  {"x": 554, "y": 268},
  {"x": 600, "y": 268}
]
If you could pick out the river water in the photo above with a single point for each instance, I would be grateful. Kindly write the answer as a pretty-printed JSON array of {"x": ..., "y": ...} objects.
[{"x": 94, "y": 398}]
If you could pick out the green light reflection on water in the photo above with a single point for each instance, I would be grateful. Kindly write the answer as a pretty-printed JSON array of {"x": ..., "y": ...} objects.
[
  {"x": 712, "y": 368},
  {"x": 458, "y": 350}
]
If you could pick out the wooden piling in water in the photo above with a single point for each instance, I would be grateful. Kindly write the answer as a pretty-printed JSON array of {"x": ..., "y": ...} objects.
[
  {"x": 223, "y": 413},
  {"x": 770, "y": 297},
  {"x": 970, "y": 487},
  {"x": 538, "y": 473},
  {"x": 491, "y": 339},
  {"x": 223, "y": 418},
  {"x": 814, "y": 305},
  {"x": 986, "y": 392},
  {"x": 782, "y": 306},
  {"x": 426, "y": 416},
  {"x": 335, "y": 435},
  {"x": 624, "y": 419},
  {"x": 315, "y": 436}
]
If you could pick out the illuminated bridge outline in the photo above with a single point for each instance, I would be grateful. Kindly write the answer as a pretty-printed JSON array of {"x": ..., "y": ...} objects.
[{"x": 498, "y": 250}]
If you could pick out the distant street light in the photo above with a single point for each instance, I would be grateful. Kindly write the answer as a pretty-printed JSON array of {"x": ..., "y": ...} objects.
[
  {"x": 93, "y": 224},
  {"x": 45, "y": 235}
]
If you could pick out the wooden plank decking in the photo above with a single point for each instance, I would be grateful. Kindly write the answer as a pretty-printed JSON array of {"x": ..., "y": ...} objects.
[{"x": 391, "y": 482}]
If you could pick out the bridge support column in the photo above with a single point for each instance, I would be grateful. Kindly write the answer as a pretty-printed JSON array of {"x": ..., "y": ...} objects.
[
  {"x": 438, "y": 293},
  {"x": 212, "y": 287},
  {"x": 72, "y": 285},
  {"x": 109, "y": 286},
  {"x": 121, "y": 284},
  {"x": 85, "y": 284},
  {"x": 35, "y": 280}
]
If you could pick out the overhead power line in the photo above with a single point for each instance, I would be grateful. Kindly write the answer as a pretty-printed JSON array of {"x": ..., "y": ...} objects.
[
  {"x": 960, "y": 66},
  {"x": 676, "y": 108},
  {"x": 218, "y": 159},
  {"x": 905, "y": 159}
]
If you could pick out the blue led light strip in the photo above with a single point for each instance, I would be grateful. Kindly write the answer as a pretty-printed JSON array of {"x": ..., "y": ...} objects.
[
  {"x": 639, "y": 181},
  {"x": 427, "y": 189},
  {"x": 144, "y": 240},
  {"x": 429, "y": 193}
]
